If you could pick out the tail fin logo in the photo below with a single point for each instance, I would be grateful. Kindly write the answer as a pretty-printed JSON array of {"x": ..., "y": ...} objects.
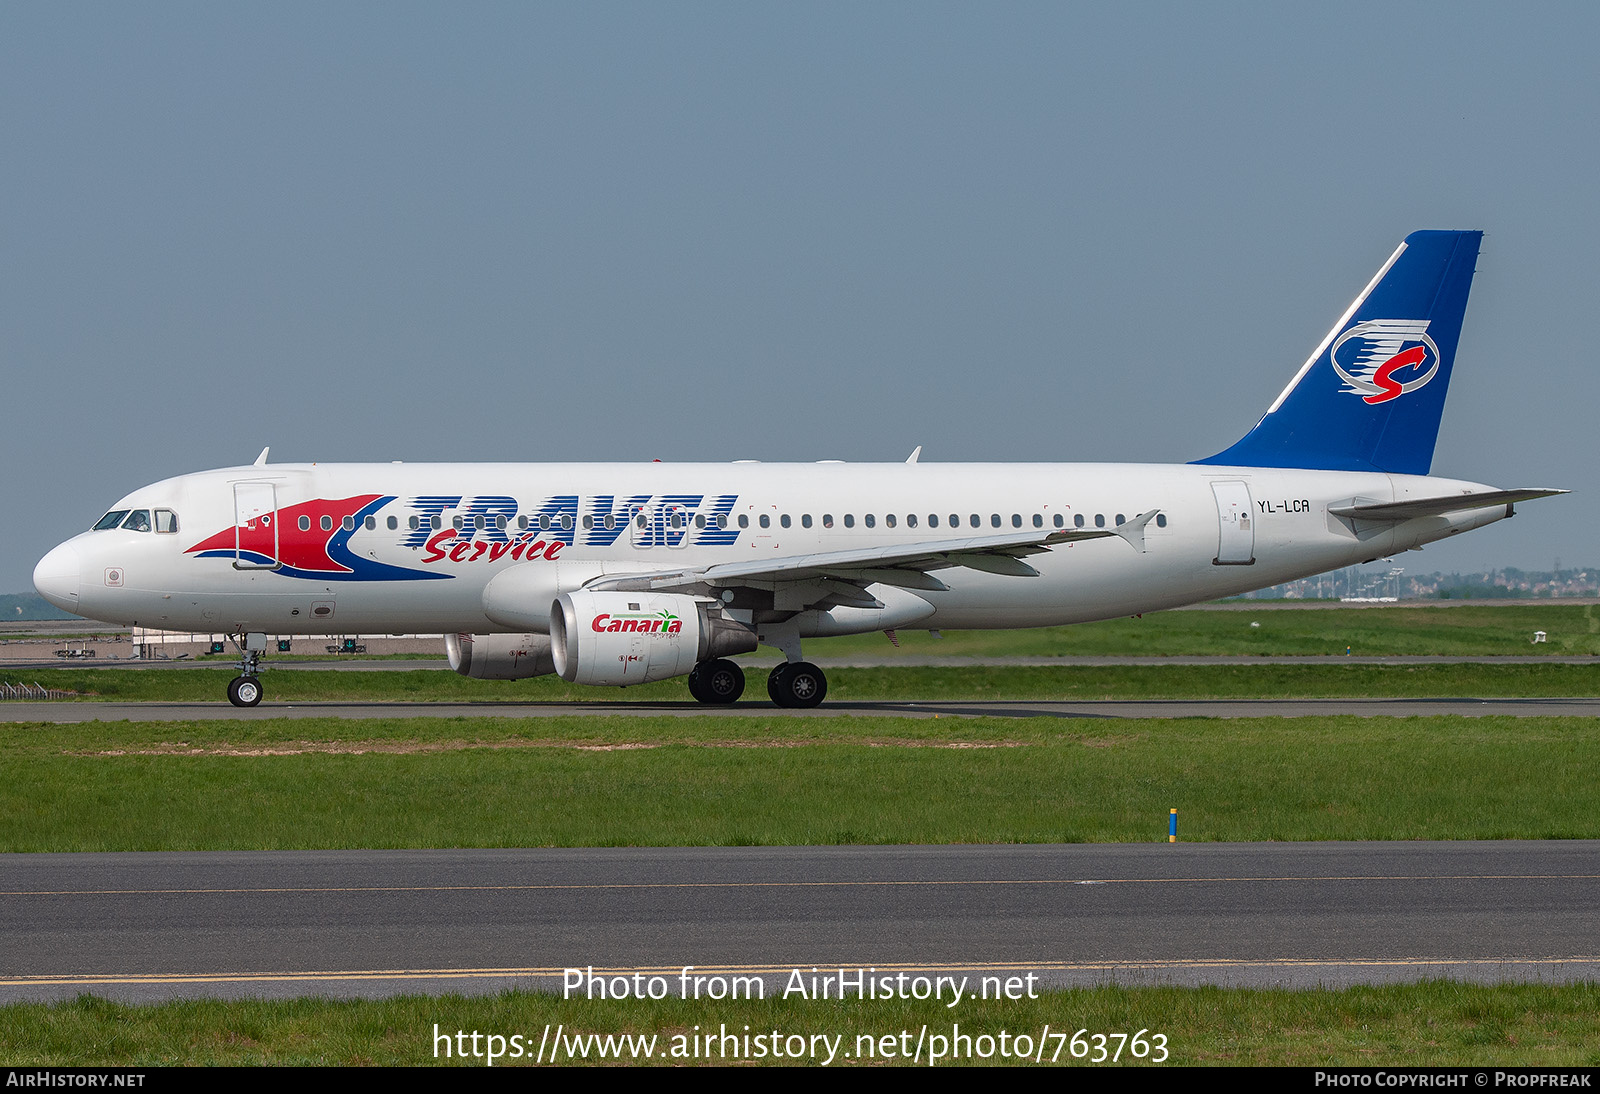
[{"x": 1383, "y": 359}]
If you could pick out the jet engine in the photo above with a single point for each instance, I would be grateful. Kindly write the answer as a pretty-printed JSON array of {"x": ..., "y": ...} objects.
[
  {"x": 618, "y": 639},
  {"x": 500, "y": 656}
]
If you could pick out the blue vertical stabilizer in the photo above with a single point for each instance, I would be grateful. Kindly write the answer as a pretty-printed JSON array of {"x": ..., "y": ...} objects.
[{"x": 1371, "y": 396}]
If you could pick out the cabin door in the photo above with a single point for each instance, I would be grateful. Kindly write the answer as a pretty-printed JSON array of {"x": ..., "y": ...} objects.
[
  {"x": 255, "y": 526},
  {"x": 1236, "y": 540}
]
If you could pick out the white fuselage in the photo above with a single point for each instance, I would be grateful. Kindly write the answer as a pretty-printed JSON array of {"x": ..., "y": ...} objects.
[{"x": 307, "y": 569}]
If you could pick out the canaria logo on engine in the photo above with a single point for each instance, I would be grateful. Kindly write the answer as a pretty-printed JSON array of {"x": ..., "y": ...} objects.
[{"x": 1383, "y": 359}]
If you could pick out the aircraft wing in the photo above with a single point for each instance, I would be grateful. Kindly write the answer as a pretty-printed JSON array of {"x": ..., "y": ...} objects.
[
  {"x": 1434, "y": 507},
  {"x": 844, "y": 575}
]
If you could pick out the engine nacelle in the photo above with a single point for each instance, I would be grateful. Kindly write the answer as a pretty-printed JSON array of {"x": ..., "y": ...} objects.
[
  {"x": 500, "y": 656},
  {"x": 618, "y": 639}
]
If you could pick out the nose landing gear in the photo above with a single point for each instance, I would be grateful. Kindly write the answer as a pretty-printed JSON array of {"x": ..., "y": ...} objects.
[{"x": 245, "y": 689}]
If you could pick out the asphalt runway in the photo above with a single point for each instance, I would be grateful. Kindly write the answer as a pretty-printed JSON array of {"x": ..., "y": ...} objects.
[
  {"x": 142, "y": 927},
  {"x": 65, "y": 713}
]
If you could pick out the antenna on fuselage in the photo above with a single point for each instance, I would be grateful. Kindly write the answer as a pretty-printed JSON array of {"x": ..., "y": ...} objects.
[
  {"x": 915, "y": 452},
  {"x": 261, "y": 460}
]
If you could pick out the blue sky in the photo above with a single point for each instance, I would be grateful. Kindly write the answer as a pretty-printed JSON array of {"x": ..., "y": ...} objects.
[{"x": 779, "y": 232}]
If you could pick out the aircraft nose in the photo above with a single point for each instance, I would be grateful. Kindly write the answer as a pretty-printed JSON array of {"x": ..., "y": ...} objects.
[{"x": 57, "y": 577}]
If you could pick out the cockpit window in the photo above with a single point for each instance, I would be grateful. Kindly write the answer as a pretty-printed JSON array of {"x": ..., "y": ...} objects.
[
  {"x": 138, "y": 521},
  {"x": 110, "y": 520},
  {"x": 166, "y": 521}
]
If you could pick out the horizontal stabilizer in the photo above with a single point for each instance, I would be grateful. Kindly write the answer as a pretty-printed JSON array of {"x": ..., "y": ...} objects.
[{"x": 1434, "y": 507}]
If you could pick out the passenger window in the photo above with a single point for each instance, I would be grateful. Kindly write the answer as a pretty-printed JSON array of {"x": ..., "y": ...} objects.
[
  {"x": 455, "y": 522},
  {"x": 411, "y": 522},
  {"x": 611, "y": 522},
  {"x": 477, "y": 523},
  {"x": 889, "y": 520},
  {"x": 500, "y": 523},
  {"x": 869, "y": 520},
  {"x": 437, "y": 521},
  {"x": 393, "y": 524},
  {"x": 166, "y": 521},
  {"x": 977, "y": 521},
  {"x": 1038, "y": 521},
  {"x": 327, "y": 523},
  {"x": 138, "y": 521},
  {"x": 911, "y": 520},
  {"x": 349, "y": 524},
  {"x": 372, "y": 523},
  {"x": 1016, "y": 520},
  {"x": 643, "y": 522},
  {"x": 1161, "y": 520},
  {"x": 522, "y": 522},
  {"x": 784, "y": 520},
  {"x": 1077, "y": 520},
  {"x": 1099, "y": 520},
  {"x": 1119, "y": 520},
  {"x": 1059, "y": 520},
  {"x": 588, "y": 522},
  {"x": 744, "y": 521},
  {"x": 933, "y": 520},
  {"x": 994, "y": 519},
  {"x": 827, "y": 520},
  {"x": 766, "y": 521},
  {"x": 544, "y": 522},
  {"x": 110, "y": 520},
  {"x": 305, "y": 523},
  {"x": 849, "y": 520},
  {"x": 722, "y": 520},
  {"x": 805, "y": 520}
]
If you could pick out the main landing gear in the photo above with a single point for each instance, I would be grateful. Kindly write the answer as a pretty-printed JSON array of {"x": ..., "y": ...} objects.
[
  {"x": 245, "y": 690},
  {"x": 718, "y": 682},
  {"x": 797, "y": 684},
  {"x": 792, "y": 684}
]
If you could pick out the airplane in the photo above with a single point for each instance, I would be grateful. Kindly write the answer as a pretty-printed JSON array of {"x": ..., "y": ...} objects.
[{"x": 620, "y": 574}]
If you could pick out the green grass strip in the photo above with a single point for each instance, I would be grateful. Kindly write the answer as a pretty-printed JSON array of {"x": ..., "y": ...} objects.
[
  {"x": 601, "y": 781},
  {"x": 1396, "y": 629},
  {"x": 1438, "y": 1023}
]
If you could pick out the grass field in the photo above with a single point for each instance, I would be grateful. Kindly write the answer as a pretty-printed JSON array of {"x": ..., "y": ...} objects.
[
  {"x": 1570, "y": 629},
  {"x": 631, "y": 781},
  {"x": 1414, "y": 1025}
]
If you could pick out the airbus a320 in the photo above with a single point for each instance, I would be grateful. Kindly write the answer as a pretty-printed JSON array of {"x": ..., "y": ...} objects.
[{"x": 616, "y": 574}]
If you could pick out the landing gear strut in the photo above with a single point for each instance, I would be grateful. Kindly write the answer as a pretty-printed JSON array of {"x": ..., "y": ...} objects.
[
  {"x": 245, "y": 690},
  {"x": 719, "y": 681},
  {"x": 797, "y": 684}
]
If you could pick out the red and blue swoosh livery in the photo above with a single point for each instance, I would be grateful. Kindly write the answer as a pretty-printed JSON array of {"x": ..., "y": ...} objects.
[{"x": 315, "y": 552}]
